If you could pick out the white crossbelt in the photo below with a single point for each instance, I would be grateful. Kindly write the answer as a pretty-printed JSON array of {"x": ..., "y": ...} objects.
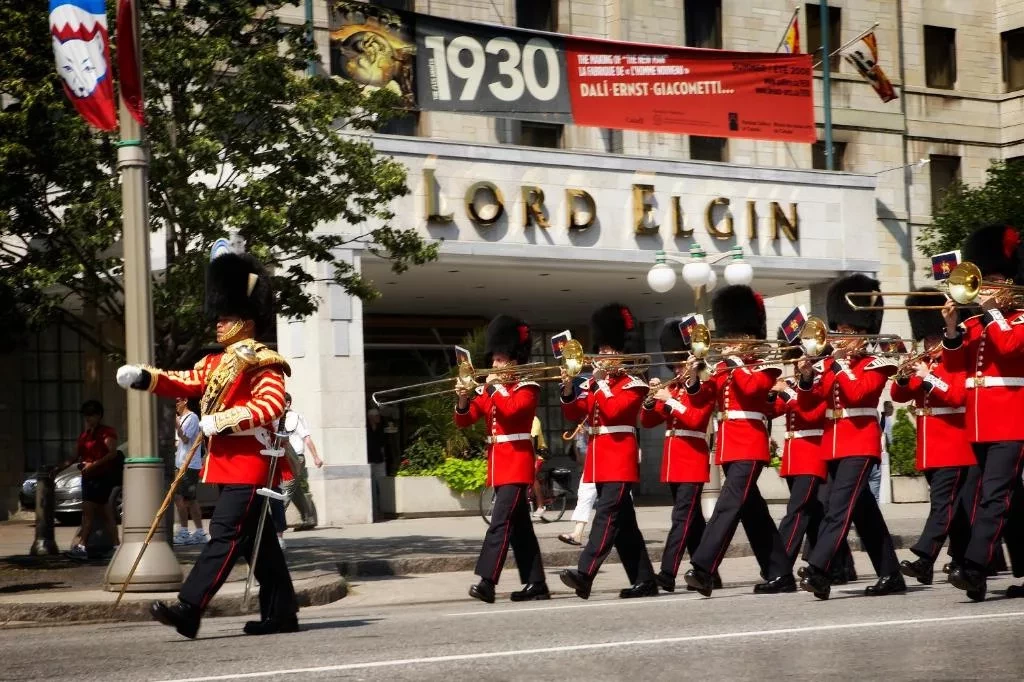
[
  {"x": 992, "y": 382},
  {"x": 730, "y": 415},
  {"x": 936, "y": 411},
  {"x": 849, "y": 412},
  {"x": 508, "y": 438},
  {"x": 684, "y": 433},
  {"x": 806, "y": 433},
  {"x": 605, "y": 430}
]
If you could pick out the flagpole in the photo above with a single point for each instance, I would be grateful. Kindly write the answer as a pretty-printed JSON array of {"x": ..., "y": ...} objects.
[
  {"x": 144, "y": 468},
  {"x": 826, "y": 83},
  {"x": 796, "y": 10},
  {"x": 850, "y": 42}
]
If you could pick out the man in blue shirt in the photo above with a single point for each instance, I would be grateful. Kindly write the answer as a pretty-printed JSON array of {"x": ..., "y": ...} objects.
[{"x": 186, "y": 430}]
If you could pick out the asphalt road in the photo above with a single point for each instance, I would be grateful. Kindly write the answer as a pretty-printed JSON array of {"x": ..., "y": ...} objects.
[{"x": 929, "y": 634}]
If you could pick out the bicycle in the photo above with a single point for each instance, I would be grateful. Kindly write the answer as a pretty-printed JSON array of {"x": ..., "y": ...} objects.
[{"x": 555, "y": 486}]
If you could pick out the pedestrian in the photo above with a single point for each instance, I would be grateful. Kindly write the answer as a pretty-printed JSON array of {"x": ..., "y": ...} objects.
[
  {"x": 540, "y": 448},
  {"x": 507, "y": 405},
  {"x": 186, "y": 430},
  {"x": 293, "y": 425},
  {"x": 376, "y": 444},
  {"x": 98, "y": 460},
  {"x": 239, "y": 427},
  {"x": 875, "y": 477}
]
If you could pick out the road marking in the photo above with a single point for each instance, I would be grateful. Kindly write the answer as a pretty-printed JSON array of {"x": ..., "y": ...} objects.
[
  {"x": 589, "y": 605},
  {"x": 601, "y": 645}
]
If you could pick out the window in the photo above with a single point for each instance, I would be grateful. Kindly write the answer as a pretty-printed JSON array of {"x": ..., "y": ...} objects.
[
  {"x": 1013, "y": 59},
  {"x": 613, "y": 142},
  {"x": 940, "y": 57},
  {"x": 533, "y": 134},
  {"x": 818, "y": 155},
  {"x": 1015, "y": 161},
  {"x": 945, "y": 172},
  {"x": 537, "y": 15},
  {"x": 707, "y": 148},
  {"x": 52, "y": 390},
  {"x": 703, "y": 23},
  {"x": 814, "y": 33},
  {"x": 407, "y": 5},
  {"x": 402, "y": 125}
]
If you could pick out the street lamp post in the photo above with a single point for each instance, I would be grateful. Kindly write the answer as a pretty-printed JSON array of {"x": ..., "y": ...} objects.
[{"x": 698, "y": 273}]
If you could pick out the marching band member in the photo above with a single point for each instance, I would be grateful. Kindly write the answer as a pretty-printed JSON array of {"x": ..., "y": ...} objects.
[
  {"x": 685, "y": 406},
  {"x": 943, "y": 452},
  {"x": 990, "y": 349},
  {"x": 742, "y": 384},
  {"x": 611, "y": 401},
  {"x": 508, "y": 408},
  {"x": 851, "y": 383},
  {"x": 239, "y": 426}
]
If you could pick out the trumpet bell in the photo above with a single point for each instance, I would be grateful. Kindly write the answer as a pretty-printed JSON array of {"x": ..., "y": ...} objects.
[
  {"x": 467, "y": 376},
  {"x": 814, "y": 337},
  {"x": 700, "y": 341},
  {"x": 964, "y": 283},
  {"x": 573, "y": 358}
]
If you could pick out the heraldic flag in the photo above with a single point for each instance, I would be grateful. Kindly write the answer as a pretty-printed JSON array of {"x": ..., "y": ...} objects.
[
  {"x": 794, "y": 323},
  {"x": 687, "y": 324},
  {"x": 81, "y": 45},
  {"x": 791, "y": 39},
  {"x": 863, "y": 54},
  {"x": 943, "y": 264}
]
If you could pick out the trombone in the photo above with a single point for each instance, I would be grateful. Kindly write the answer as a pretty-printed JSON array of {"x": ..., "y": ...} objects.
[
  {"x": 467, "y": 379},
  {"x": 574, "y": 360},
  {"x": 963, "y": 286}
]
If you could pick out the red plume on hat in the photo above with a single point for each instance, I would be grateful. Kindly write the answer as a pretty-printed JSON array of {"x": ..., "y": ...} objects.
[
  {"x": 508, "y": 335},
  {"x": 614, "y": 325},
  {"x": 996, "y": 250}
]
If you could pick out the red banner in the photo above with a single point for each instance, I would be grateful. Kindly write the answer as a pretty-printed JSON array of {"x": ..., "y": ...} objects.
[{"x": 694, "y": 91}]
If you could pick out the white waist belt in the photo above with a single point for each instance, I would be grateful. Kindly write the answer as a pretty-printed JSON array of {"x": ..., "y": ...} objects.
[
  {"x": 806, "y": 433},
  {"x": 987, "y": 382},
  {"x": 935, "y": 411},
  {"x": 730, "y": 415},
  {"x": 684, "y": 433},
  {"x": 605, "y": 430},
  {"x": 852, "y": 412},
  {"x": 508, "y": 438}
]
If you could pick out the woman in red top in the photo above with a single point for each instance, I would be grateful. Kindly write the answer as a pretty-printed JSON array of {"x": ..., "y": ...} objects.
[
  {"x": 97, "y": 458},
  {"x": 507, "y": 408},
  {"x": 685, "y": 407}
]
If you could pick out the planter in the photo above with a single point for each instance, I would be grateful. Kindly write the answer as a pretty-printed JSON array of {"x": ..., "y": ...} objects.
[
  {"x": 909, "y": 489},
  {"x": 412, "y": 496},
  {"x": 772, "y": 486}
]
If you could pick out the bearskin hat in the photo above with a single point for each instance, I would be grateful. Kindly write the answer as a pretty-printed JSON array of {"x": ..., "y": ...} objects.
[
  {"x": 840, "y": 312},
  {"x": 614, "y": 326},
  {"x": 995, "y": 249},
  {"x": 791, "y": 350},
  {"x": 508, "y": 335},
  {"x": 673, "y": 341},
  {"x": 738, "y": 310},
  {"x": 924, "y": 323},
  {"x": 237, "y": 285}
]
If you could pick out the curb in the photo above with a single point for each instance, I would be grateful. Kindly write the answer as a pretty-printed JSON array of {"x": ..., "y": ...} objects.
[
  {"x": 368, "y": 568},
  {"x": 313, "y": 591}
]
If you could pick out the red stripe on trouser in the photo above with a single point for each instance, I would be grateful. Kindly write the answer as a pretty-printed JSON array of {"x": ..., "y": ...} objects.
[
  {"x": 504, "y": 545},
  {"x": 604, "y": 538},
  {"x": 949, "y": 515},
  {"x": 1009, "y": 493},
  {"x": 743, "y": 501},
  {"x": 977, "y": 497},
  {"x": 230, "y": 558},
  {"x": 849, "y": 512},
  {"x": 682, "y": 540},
  {"x": 796, "y": 521}
]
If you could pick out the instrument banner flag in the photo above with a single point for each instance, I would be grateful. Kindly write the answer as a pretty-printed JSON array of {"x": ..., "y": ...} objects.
[
  {"x": 462, "y": 356},
  {"x": 558, "y": 342},
  {"x": 943, "y": 264},
  {"x": 863, "y": 55},
  {"x": 793, "y": 324},
  {"x": 437, "y": 64},
  {"x": 687, "y": 324}
]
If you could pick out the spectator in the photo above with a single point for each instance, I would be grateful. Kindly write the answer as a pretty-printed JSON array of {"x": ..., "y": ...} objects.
[
  {"x": 98, "y": 460},
  {"x": 376, "y": 444},
  {"x": 875, "y": 475},
  {"x": 540, "y": 449},
  {"x": 586, "y": 493},
  {"x": 186, "y": 430},
  {"x": 298, "y": 444}
]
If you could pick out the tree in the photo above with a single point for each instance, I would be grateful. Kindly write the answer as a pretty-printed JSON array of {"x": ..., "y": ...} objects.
[
  {"x": 965, "y": 208},
  {"x": 240, "y": 139},
  {"x": 903, "y": 448}
]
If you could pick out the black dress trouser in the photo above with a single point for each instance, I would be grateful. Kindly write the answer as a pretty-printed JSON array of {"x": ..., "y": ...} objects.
[
  {"x": 945, "y": 486},
  {"x": 738, "y": 502},
  {"x": 687, "y": 525},
  {"x": 850, "y": 501},
  {"x": 804, "y": 512},
  {"x": 615, "y": 526},
  {"x": 233, "y": 535},
  {"x": 510, "y": 525},
  {"x": 1000, "y": 464}
]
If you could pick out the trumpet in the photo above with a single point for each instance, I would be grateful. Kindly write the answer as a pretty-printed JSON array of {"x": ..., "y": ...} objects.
[
  {"x": 907, "y": 366},
  {"x": 466, "y": 379},
  {"x": 963, "y": 286}
]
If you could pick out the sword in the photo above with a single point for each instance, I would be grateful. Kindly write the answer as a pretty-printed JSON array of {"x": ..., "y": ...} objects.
[{"x": 267, "y": 492}]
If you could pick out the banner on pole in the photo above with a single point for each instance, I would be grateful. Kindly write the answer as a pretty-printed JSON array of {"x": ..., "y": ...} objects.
[
  {"x": 81, "y": 46},
  {"x": 863, "y": 55},
  {"x": 438, "y": 64}
]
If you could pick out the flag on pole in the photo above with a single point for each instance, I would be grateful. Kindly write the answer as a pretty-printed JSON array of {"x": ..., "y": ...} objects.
[
  {"x": 128, "y": 71},
  {"x": 863, "y": 54},
  {"x": 558, "y": 342},
  {"x": 943, "y": 264},
  {"x": 791, "y": 38},
  {"x": 81, "y": 46},
  {"x": 687, "y": 324},
  {"x": 793, "y": 324}
]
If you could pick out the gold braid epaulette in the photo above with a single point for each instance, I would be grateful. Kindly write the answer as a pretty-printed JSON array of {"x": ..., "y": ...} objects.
[{"x": 266, "y": 357}]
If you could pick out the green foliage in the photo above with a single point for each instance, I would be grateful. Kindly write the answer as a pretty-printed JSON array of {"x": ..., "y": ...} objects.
[
  {"x": 903, "y": 446},
  {"x": 965, "y": 208},
  {"x": 774, "y": 456},
  {"x": 421, "y": 458},
  {"x": 240, "y": 138},
  {"x": 463, "y": 475}
]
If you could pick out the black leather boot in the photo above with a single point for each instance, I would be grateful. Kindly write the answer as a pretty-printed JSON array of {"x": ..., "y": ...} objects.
[
  {"x": 181, "y": 616},
  {"x": 483, "y": 590},
  {"x": 970, "y": 580},
  {"x": 532, "y": 591},
  {"x": 700, "y": 581},
  {"x": 272, "y": 626},
  {"x": 921, "y": 569},
  {"x": 816, "y": 581},
  {"x": 784, "y": 583},
  {"x": 647, "y": 588},
  {"x": 887, "y": 584},
  {"x": 666, "y": 581},
  {"x": 577, "y": 581}
]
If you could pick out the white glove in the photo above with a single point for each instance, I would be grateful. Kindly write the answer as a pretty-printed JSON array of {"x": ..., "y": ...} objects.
[
  {"x": 208, "y": 424},
  {"x": 128, "y": 375}
]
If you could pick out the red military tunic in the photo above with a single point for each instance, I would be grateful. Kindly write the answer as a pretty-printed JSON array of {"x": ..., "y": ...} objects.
[
  {"x": 247, "y": 419},
  {"x": 991, "y": 353},
  {"x": 685, "y": 458},
  {"x": 805, "y": 425},
  {"x": 611, "y": 407},
  {"x": 742, "y": 398},
  {"x": 851, "y": 390},
  {"x": 939, "y": 399},
  {"x": 508, "y": 410}
]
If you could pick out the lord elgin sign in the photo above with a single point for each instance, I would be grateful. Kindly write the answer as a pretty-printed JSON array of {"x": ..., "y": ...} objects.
[{"x": 485, "y": 206}]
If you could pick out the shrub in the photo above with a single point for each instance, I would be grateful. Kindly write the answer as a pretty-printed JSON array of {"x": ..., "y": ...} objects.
[
  {"x": 463, "y": 475},
  {"x": 903, "y": 448},
  {"x": 421, "y": 458},
  {"x": 774, "y": 457}
]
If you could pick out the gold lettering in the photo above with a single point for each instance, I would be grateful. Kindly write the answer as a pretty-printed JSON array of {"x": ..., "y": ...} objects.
[
  {"x": 751, "y": 220},
  {"x": 643, "y": 210},
  {"x": 580, "y": 219},
  {"x": 709, "y": 221},
  {"x": 790, "y": 225},
  {"x": 533, "y": 207},
  {"x": 679, "y": 229},
  {"x": 484, "y": 194},
  {"x": 433, "y": 193}
]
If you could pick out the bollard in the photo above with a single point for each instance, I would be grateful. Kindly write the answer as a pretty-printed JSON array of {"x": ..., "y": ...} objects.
[{"x": 44, "y": 542}]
